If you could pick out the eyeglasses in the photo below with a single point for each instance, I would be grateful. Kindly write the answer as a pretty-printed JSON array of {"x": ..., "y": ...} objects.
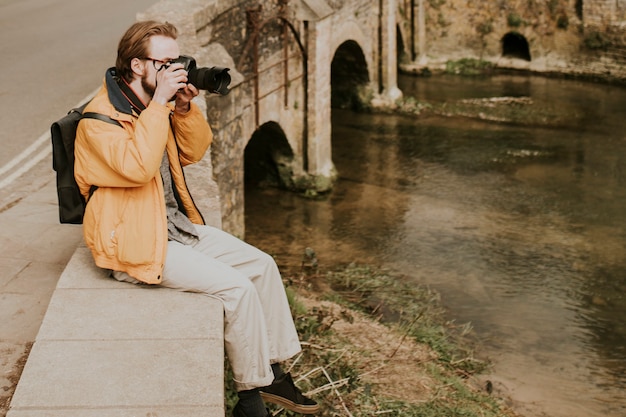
[{"x": 158, "y": 64}]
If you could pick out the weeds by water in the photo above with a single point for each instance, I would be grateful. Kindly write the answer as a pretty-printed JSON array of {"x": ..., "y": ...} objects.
[
  {"x": 413, "y": 310},
  {"x": 469, "y": 67},
  {"x": 376, "y": 344}
]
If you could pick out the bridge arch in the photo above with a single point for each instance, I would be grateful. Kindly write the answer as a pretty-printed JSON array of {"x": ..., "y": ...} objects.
[
  {"x": 515, "y": 45},
  {"x": 268, "y": 158},
  {"x": 404, "y": 56},
  {"x": 348, "y": 76},
  {"x": 350, "y": 35}
]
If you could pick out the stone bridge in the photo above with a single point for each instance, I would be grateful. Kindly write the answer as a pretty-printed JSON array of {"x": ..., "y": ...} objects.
[
  {"x": 291, "y": 61},
  {"x": 287, "y": 60}
]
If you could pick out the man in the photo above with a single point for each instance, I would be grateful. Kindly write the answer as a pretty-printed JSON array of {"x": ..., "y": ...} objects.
[{"x": 141, "y": 222}]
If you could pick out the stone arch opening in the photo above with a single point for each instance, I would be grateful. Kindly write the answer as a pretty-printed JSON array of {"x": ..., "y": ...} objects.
[
  {"x": 579, "y": 9},
  {"x": 403, "y": 55},
  {"x": 515, "y": 45},
  {"x": 268, "y": 158},
  {"x": 348, "y": 76}
]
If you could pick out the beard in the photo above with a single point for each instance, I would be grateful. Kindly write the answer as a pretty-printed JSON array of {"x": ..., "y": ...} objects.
[
  {"x": 150, "y": 87},
  {"x": 147, "y": 86}
]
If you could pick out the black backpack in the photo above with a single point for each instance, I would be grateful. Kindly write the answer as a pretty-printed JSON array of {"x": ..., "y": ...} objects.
[{"x": 63, "y": 133}]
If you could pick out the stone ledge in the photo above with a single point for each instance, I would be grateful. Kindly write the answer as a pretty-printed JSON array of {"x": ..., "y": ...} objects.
[{"x": 107, "y": 348}]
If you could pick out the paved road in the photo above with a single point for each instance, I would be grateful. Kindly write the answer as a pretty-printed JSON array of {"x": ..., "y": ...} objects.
[{"x": 54, "y": 54}]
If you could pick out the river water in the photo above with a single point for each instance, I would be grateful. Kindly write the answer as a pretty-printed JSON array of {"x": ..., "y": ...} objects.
[{"x": 521, "y": 229}]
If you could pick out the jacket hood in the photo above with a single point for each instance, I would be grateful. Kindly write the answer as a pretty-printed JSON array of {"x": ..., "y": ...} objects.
[{"x": 117, "y": 98}]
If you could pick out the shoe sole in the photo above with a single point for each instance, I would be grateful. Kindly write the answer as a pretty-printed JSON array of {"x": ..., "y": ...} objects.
[{"x": 290, "y": 405}]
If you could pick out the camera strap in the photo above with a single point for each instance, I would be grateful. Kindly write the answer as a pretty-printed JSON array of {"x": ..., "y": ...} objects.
[{"x": 130, "y": 95}]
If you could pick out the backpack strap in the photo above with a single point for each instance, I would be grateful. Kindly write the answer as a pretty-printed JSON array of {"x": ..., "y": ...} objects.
[
  {"x": 102, "y": 117},
  {"x": 98, "y": 116}
]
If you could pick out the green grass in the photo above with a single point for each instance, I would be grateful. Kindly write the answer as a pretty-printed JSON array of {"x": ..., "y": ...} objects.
[{"x": 469, "y": 67}]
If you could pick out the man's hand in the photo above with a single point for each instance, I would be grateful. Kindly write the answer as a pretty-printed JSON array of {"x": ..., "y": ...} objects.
[
  {"x": 183, "y": 97},
  {"x": 169, "y": 80}
]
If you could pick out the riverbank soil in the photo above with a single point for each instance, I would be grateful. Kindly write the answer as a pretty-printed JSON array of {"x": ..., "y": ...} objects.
[{"x": 16, "y": 355}]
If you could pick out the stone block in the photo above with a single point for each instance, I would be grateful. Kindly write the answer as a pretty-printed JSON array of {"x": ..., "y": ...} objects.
[
  {"x": 120, "y": 374},
  {"x": 100, "y": 314}
]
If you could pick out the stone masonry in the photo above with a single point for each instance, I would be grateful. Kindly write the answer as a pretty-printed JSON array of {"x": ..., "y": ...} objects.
[{"x": 575, "y": 37}]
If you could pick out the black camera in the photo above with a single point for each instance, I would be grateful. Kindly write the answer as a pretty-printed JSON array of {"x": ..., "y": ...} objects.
[{"x": 214, "y": 79}]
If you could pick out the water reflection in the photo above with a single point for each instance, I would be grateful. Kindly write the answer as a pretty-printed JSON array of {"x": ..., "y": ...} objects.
[{"x": 522, "y": 229}]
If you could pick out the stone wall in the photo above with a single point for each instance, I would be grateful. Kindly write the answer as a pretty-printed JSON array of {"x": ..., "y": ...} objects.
[
  {"x": 563, "y": 37},
  {"x": 603, "y": 12}
]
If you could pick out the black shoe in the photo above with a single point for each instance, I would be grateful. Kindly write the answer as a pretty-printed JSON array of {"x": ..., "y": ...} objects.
[
  {"x": 238, "y": 412},
  {"x": 285, "y": 393}
]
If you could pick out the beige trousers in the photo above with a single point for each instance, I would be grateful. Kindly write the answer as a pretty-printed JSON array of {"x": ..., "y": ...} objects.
[{"x": 259, "y": 329}]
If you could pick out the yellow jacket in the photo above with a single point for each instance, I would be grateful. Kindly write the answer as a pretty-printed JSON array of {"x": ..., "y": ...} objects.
[{"x": 125, "y": 222}]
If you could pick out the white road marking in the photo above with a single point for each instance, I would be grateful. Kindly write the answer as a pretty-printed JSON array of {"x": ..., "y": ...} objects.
[{"x": 25, "y": 160}]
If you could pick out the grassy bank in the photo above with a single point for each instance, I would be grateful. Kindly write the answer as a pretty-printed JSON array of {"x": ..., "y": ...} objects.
[{"x": 376, "y": 344}]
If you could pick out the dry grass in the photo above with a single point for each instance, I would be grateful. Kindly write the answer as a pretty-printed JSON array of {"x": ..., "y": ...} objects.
[{"x": 393, "y": 366}]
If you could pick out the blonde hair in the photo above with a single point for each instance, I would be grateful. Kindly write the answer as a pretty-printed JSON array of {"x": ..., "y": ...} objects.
[{"x": 136, "y": 42}]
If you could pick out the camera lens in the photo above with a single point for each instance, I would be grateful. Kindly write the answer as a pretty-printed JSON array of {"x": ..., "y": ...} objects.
[{"x": 215, "y": 79}]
